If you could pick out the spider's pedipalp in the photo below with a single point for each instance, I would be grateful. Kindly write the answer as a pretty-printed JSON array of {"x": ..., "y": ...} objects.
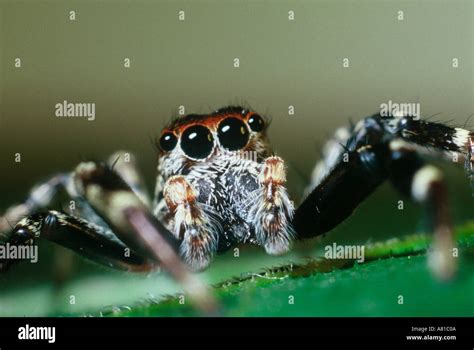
[
  {"x": 271, "y": 211},
  {"x": 192, "y": 225}
]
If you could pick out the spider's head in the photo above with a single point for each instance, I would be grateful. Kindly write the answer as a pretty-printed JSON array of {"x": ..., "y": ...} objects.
[{"x": 201, "y": 138}]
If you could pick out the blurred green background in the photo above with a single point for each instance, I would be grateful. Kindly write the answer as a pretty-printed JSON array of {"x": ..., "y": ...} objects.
[{"x": 190, "y": 63}]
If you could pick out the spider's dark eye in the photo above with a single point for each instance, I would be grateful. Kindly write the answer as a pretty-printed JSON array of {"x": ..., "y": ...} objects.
[
  {"x": 256, "y": 123},
  {"x": 168, "y": 141},
  {"x": 197, "y": 142},
  {"x": 233, "y": 133}
]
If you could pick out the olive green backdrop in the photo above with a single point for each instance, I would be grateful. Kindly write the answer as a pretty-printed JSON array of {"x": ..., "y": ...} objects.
[{"x": 190, "y": 63}]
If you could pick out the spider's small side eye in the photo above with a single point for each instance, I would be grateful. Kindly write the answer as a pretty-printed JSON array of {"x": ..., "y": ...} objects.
[
  {"x": 197, "y": 142},
  {"x": 233, "y": 134},
  {"x": 168, "y": 141},
  {"x": 256, "y": 123}
]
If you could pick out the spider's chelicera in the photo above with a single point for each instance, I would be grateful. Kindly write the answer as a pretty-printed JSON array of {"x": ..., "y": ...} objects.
[{"x": 211, "y": 195}]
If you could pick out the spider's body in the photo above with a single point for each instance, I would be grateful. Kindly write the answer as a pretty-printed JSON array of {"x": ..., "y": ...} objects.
[
  {"x": 223, "y": 166},
  {"x": 219, "y": 184}
]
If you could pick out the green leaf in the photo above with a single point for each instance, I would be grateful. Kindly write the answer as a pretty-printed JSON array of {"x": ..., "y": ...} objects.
[{"x": 393, "y": 281}]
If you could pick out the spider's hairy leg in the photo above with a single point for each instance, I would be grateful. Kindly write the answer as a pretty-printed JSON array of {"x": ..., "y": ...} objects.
[
  {"x": 440, "y": 137},
  {"x": 354, "y": 178},
  {"x": 42, "y": 195},
  {"x": 39, "y": 197},
  {"x": 92, "y": 241},
  {"x": 272, "y": 210},
  {"x": 425, "y": 185},
  {"x": 190, "y": 223},
  {"x": 135, "y": 225},
  {"x": 124, "y": 163}
]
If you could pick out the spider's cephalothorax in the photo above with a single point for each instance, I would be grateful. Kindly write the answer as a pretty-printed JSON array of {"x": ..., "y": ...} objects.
[{"x": 219, "y": 185}]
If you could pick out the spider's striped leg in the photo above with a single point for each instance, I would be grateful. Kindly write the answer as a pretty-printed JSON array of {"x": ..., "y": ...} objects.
[
  {"x": 425, "y": 185},
  {"x": 92, "y": 241},
  {"x": 124, "y": 164},
  {"x": 440, "y": 137},
  {"x": 272, "y": 210},
  {"x": 135, "y": 225},
  {"x": 349, "y": 183},
  {"x": 190, "y": 223},
  {"x": 40, "y": 197}
]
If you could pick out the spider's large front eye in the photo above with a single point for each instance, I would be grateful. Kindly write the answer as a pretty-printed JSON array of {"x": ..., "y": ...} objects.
[
  {"x": 168, "y": 141},
  {"x": 233, "y": 134},
  {"x": 197, "y": 142},
  {"x": 256, "y": 123}
]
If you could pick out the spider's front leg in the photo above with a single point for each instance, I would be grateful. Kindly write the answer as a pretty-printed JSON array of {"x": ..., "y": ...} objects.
[
  {"x": 190, "y": 223},
  {"x": 425, "y": 185},
  {"x": 133, "y": 240},
  {"x": 359, "y": 173},
  {"x": 39, "y": 197},
  {"x": 92, "y": 241},
  {"x": 44, "y": 194},
  {"x": 135, "y": 225},
  {"x": 124, "y": 163},
  {"x": 272, "y": 211},
  {"x": 84, "y": 231}
]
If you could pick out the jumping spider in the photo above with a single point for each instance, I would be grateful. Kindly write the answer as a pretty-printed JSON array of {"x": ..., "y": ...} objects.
[{"x": 219, "y": 184}]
